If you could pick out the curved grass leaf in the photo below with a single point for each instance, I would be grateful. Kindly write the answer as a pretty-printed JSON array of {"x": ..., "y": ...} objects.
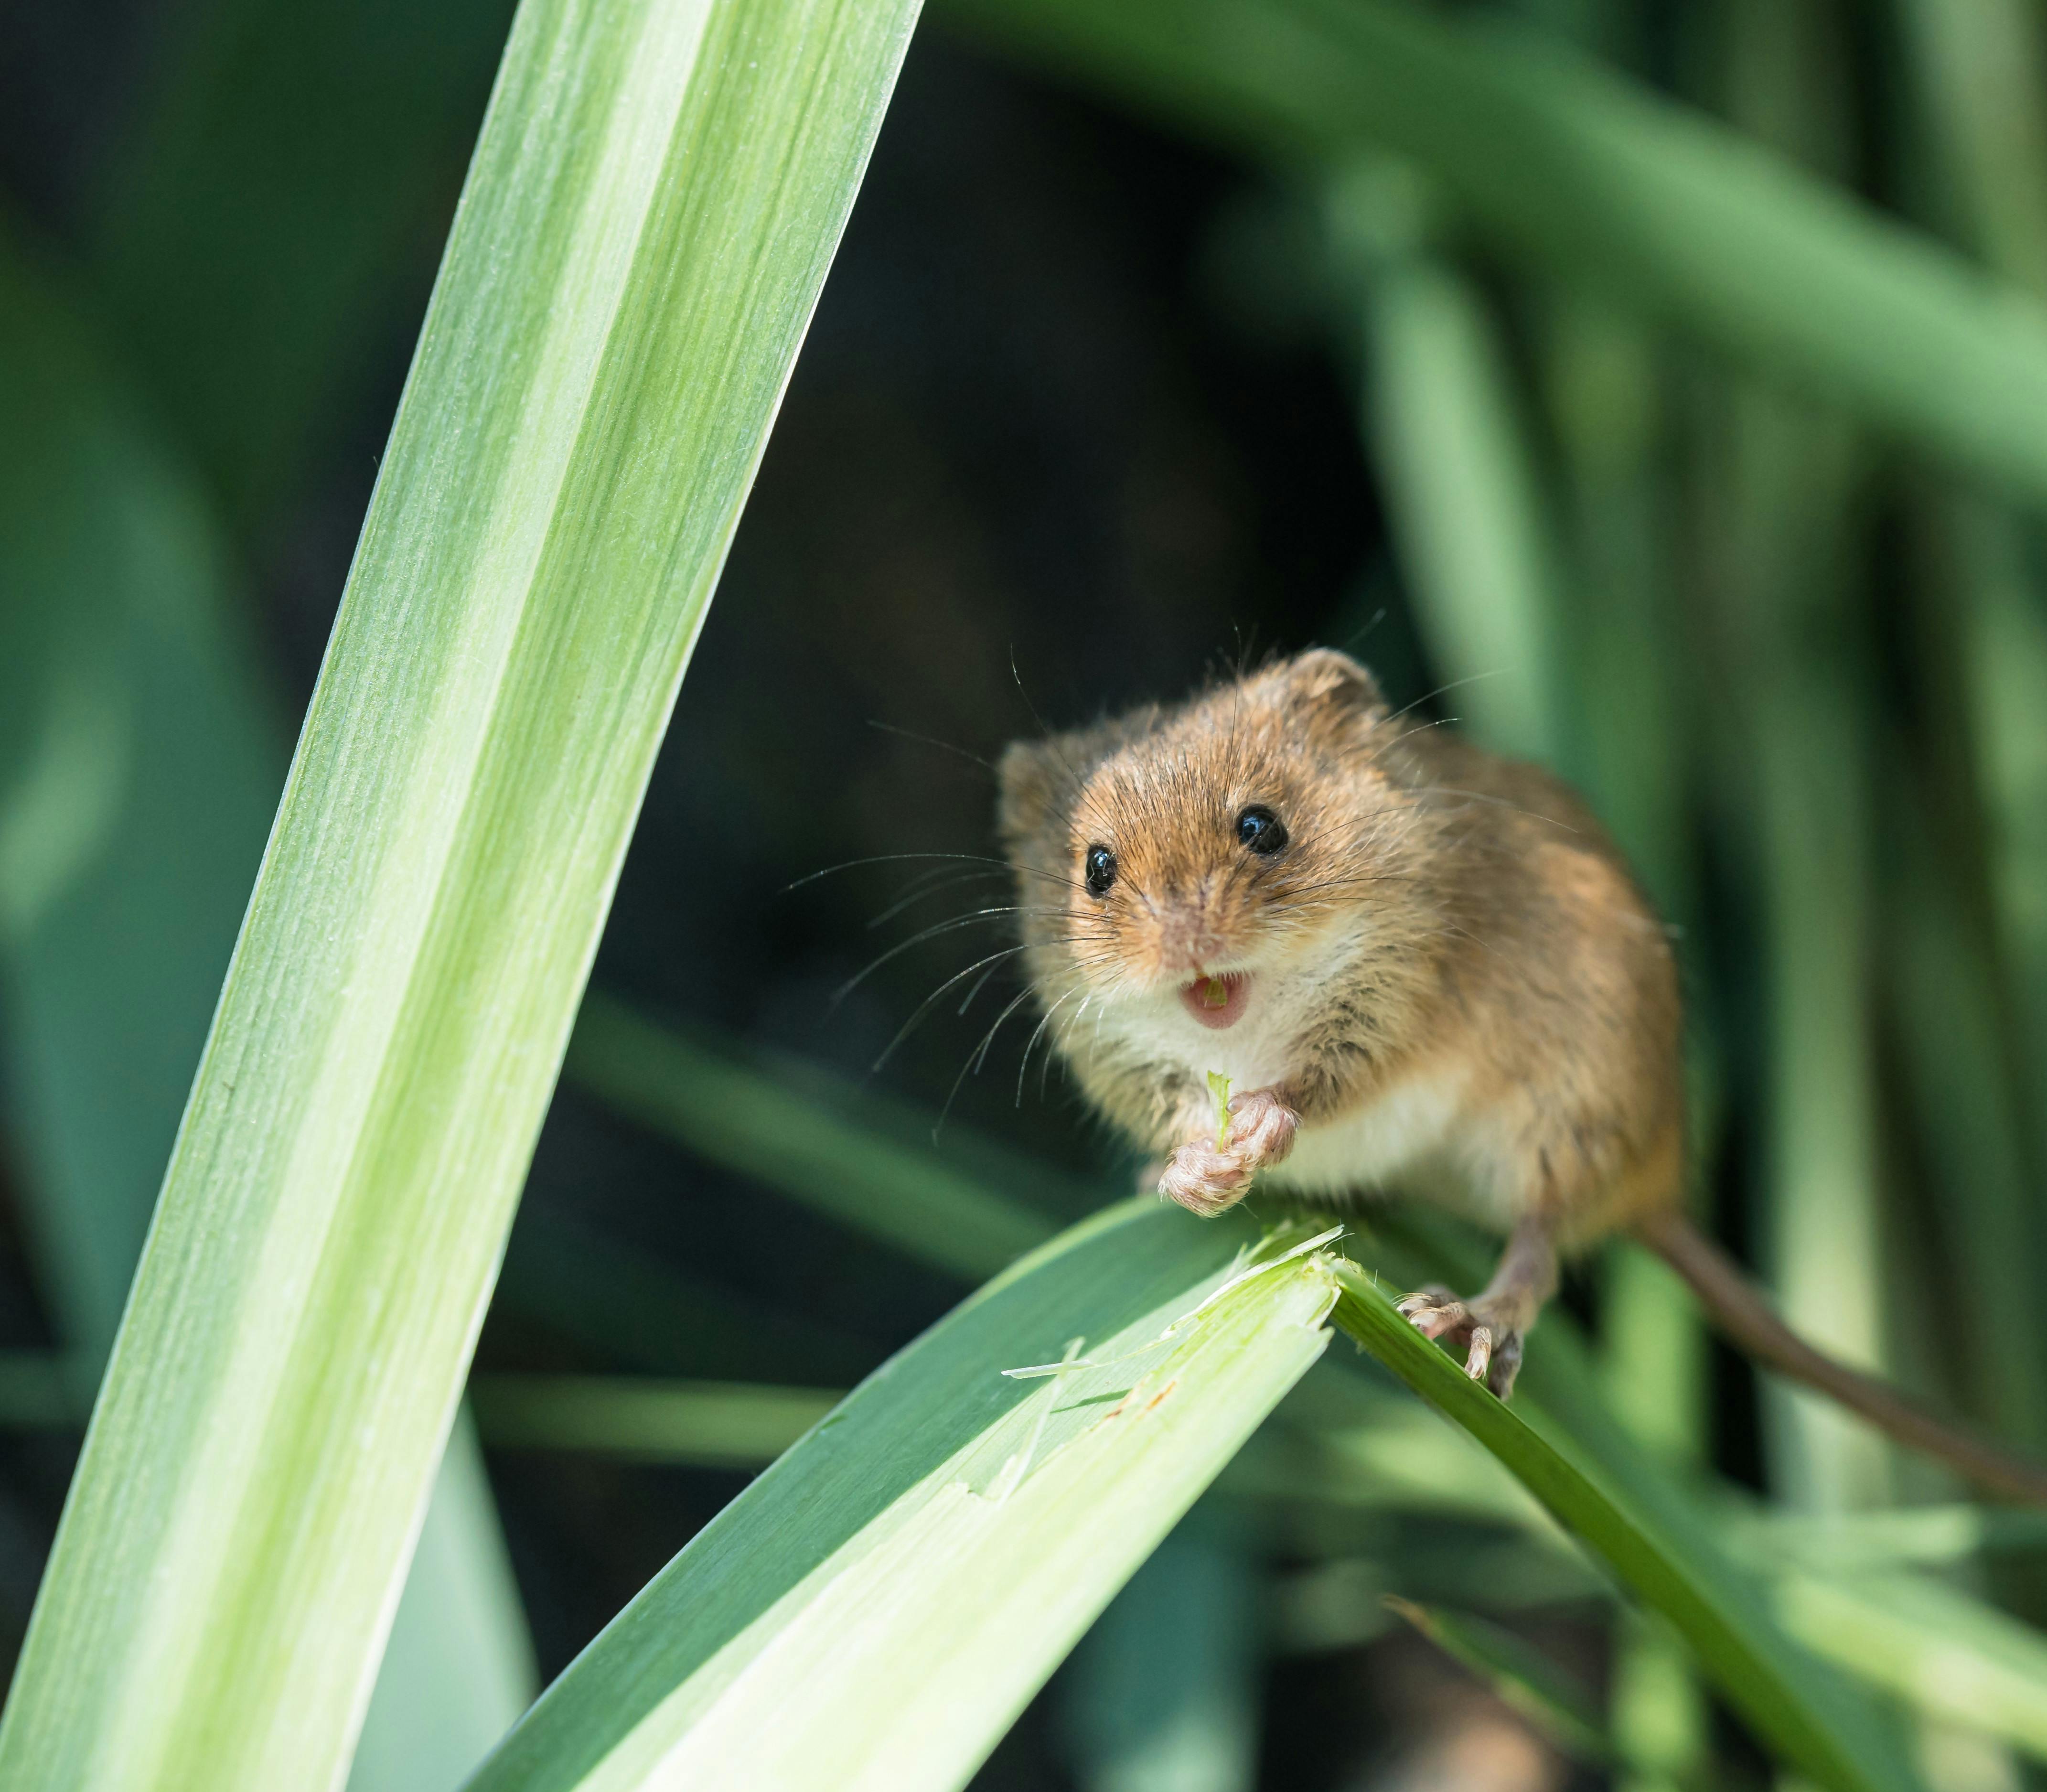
[
  {"x": 1602, "y": 181},
  {"x": 1814, "y": 1720},
  {"x": 131, "y": 824},
  {"x": 656, "y": 195},
  {"x": 871, "y": 1614}
]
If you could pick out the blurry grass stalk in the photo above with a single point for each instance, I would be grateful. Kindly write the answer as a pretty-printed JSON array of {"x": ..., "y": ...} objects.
[
  {"x": 1441, "y": 418},
  {"x": 1980, "y": 65},
  {"x": 1604, "y": 387},
  {"x": 1601, "y": 181},
  {"x": 261, "y": 212},
  {"x": 1522, "y": 1677},
  {"x": 656, "y": 195},
  {"x": 870, "y": 1615},
  {"x": 702, "y": 1424},
  {"x": 1162, "y": 1693},
  {"x": 1949, "y": 1656},
  {"x": 802, "y": 1143},
  {"x": 1794, "y": 682}
]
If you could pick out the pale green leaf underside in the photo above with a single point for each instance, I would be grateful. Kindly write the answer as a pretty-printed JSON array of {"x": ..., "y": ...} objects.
[
  {"x": 656, "y": 197},
  {"x": 872, "y": 1613}
]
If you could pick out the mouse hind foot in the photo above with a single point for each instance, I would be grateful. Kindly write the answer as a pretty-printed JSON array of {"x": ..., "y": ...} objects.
[
  {"x": 1490, "y": 1327},
  {"x": 1489, "y": 1339}
]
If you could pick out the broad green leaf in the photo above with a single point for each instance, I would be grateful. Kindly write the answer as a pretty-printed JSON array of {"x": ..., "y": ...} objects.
[
  {"x": 1601, "y": 181},
  {"x": 873, "y": 1610},
  {"x": 134, "y": 798},
  {"x": 1814, "y": 1720},
  {"x": 654, "y": 201}
]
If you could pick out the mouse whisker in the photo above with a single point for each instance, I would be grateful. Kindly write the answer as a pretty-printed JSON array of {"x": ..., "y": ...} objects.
[
  {"x": 899, "y": 858},
  {"x": 1023, "y": 1066},
  {"x": 922, "y": 933},
  {"x": 927, "y": 884},
  {"x": 987, "y": 765},
  {"x": 978, "y": 1057}
]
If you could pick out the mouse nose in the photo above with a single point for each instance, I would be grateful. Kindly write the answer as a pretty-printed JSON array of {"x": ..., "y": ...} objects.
[{"x": 1187, "y": 938}]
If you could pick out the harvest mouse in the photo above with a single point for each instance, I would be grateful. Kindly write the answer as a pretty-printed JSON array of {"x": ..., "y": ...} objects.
[{"x": 1421, "y": 965}]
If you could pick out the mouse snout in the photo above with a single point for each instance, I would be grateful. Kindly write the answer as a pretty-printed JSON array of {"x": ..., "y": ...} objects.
[{"x": 1188, "y": 940}]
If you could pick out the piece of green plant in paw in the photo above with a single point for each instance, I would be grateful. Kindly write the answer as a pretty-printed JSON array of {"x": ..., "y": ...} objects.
[{"x": 1252, "y": 1131}]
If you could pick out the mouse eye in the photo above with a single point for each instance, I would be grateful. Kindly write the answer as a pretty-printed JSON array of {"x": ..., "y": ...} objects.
[
  {"x": 1260, "y": 830},
  {"x": 1099, "y": 865}
]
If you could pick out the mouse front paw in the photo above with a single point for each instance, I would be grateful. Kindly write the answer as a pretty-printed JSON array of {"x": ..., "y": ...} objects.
[
  {"x": 1205, "y": 1179},
  {"x": 1261, "y": 1128},
  {"x": 1491, "y": 1339}
]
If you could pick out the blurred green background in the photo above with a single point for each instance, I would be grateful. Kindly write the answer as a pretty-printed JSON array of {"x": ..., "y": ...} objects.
[{"x": 1658, "y": 388}]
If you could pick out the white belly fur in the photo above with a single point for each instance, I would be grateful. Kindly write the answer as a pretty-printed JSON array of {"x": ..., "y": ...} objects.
[{"x": 1413, "y": 1124}]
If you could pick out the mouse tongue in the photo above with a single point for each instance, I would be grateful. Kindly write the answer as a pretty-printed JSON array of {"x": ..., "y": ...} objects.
[{"x": 1217, "y": 1001}]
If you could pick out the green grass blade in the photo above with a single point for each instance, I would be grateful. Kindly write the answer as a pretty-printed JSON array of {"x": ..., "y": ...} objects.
[
  {"x": 1601, "y": 181},
  {"x": 1952, "y": 1656},
  {"x": 1162, "y": 1694},
  {"x": 656, "y": 197},
  {"x": 459, "y": 1667},
  {"x": 1442, "y": 417},
  {"x": 706, "y": 1424},
  {"x": 1521, "y": 1675},
  {"x": 129, "y": 847},
  {"x": 765, "y": 1127},
  {"x": 1815, "y": 1722},
  {"x": 872, "y": 1611}
]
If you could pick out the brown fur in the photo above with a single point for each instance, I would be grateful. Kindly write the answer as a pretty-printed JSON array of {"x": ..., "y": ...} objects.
[
  {"x": 1505, "y": 933},
  {"x": 1444, "y": 926}
]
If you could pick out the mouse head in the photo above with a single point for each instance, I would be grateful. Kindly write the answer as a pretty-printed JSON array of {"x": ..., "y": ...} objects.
[{"x": 1188, "y": 853}]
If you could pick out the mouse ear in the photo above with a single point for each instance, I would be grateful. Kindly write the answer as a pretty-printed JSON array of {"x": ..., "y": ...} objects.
[
  {"x": 1322, "y": 675},
  {"x": 1033, "y": 786}
]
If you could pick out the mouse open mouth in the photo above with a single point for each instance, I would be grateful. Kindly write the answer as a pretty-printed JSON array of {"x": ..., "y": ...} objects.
[{"x": 1217, "y": 1001}]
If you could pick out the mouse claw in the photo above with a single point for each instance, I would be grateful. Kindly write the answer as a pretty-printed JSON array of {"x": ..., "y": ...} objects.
[
  {"x": 1435, "y": 1294},
  {"x": 1203, "y": 1180},
  {"x": 1492, "y": 1351}
]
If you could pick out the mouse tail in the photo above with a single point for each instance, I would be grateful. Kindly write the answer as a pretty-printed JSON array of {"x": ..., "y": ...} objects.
[{"x": 1740, "y": 1311}]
